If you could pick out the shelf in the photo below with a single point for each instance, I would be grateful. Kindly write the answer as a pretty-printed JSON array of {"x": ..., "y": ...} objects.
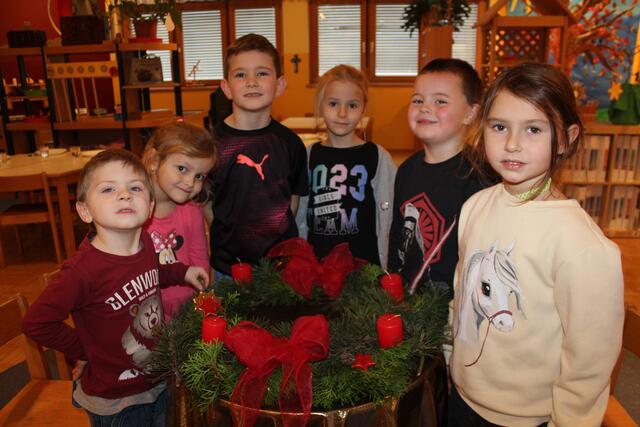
[
  {"x": 160, "y": 121},
  {"x": 20, "y": 51},
  {"x": 88, "y": 123},
  {"x": 611, "y": 129},
  {"x": 21, "y": 126},
  {"x": 611, "y": 232},
  {"x": 582, "y": 182},
  {"x": 150, "y": 85},
  {"x": 106, "y": 47},
  {"x": 107, "y": 122},
  {"x": 630, "y": 183},
  {"x": 136, "y": 47}
]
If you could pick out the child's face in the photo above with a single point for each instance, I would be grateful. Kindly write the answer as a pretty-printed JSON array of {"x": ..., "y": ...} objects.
[
  {"x": 252, "y": 84},
  {"x": 439, "y": 111},
  {"x": 117, "y": 199},
  {"x": 181, "y": 177},
  {"x": 517, "y": 139},
  {"x": 342, "y": 107}
]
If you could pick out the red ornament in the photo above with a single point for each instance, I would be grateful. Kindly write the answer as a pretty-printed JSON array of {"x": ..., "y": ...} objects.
[
  {"x": 207, "y": 303},
  {"x": 241, "y": 272},
  {"x": 392, "y": 284},
  {"x": 363, "y": 361},
  {"x": 214, "y": 329},
  {"x": 389, "y": 330}
]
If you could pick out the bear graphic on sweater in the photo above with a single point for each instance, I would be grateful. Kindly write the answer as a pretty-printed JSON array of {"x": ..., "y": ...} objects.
[{"x": 146, "y": 316}]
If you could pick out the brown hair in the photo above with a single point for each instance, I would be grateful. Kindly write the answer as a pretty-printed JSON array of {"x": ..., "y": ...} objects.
[
  {"x": 181, "y": 138},
  {"x": 127, "y": 158},
  {"x": 471, "y": 83},
  {"x": 341, "y": 72},
  {"x": 549, "y": 91},
  {"x": 250, "y": 42}
]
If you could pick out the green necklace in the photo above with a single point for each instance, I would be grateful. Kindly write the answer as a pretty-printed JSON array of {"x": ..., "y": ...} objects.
[{"x": 534, "y": 192}]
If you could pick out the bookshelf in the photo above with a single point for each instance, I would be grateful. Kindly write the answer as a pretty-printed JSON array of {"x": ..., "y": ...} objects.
[
  {"x": 70, "y": 72},
  {"x": 604, "y": 177}
]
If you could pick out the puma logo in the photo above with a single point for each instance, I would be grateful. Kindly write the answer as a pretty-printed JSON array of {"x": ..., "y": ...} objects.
[{"x": 244, "y": 160}]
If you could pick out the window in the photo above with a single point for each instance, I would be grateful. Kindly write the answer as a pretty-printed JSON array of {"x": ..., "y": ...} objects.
[
  {"x": 209, "y": 26},
  {"x": 464, "y": 40},
  {"x": 366, "y": 34},
  {"x": 202, "y": 44}
]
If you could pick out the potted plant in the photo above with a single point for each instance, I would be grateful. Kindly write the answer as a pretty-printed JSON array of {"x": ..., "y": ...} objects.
[
  {"x": 435, "y": 13},
  {"x": 145, "y": 14},
  {"x": 435, "y": 21}
]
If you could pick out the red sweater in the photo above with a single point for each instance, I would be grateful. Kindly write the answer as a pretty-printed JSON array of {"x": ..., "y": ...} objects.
[{"x": 115, "y": 304}]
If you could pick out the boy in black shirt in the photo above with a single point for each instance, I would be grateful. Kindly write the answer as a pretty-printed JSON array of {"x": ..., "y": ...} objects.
[
  {"x": 263, "y": 165},
  {"x": 432, "y": 185}
]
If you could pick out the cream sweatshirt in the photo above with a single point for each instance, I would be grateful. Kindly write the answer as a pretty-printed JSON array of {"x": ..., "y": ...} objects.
[{"x": 551, "y": 284}]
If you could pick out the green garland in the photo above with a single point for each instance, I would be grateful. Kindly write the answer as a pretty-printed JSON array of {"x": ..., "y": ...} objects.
[{"x": 210, "y": 371}]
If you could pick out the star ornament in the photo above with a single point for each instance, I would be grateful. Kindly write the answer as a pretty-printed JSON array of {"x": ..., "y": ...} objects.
[
  {"x": 615, "y": 91},
  {"x": 207, "y": 303},
  {"x": 363, "y": 361}
]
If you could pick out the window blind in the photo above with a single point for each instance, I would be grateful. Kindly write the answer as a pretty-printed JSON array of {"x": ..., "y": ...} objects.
[
  {"x": 338, "y": 36},
  {"x": 464, "y": 40},
  {"x": 256, "y": 20},
  {"x": 202, "y": 41},
  {"x": 396, "y": 50}
]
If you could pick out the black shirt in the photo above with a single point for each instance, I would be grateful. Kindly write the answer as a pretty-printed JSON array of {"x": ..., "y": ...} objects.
[
  {"x": 258, "y": 172},
  {"x": 427, "y": 199},
  {"x": 342, "y": 207}
]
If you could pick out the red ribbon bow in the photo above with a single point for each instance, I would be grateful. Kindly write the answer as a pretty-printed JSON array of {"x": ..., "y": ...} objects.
[
  {"x": 261, "y": 353},
  {"x": 303, "y": 269}
]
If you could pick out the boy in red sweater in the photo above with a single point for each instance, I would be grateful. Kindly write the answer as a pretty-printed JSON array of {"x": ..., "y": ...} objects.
[{"x": 111, "y": 289}]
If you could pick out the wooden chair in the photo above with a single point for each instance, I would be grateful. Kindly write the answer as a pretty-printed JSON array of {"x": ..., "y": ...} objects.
[
  {"x": 29, "y": 213},
  {"x": 616, "y": 415},
  {"x": 43, "y": 401}
]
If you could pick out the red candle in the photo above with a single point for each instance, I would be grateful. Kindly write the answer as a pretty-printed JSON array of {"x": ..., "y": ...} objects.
[
  {"x": 392, "y": 284},
  {"x": 241, "y": 272},
  {"x": 213, "y": 328},
  {"x": 389, "y": 330}
]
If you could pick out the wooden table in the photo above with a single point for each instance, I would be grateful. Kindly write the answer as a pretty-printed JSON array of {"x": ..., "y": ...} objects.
[
  {"x": 62, "y": 170},
  {"x": 311, "y": 124}
]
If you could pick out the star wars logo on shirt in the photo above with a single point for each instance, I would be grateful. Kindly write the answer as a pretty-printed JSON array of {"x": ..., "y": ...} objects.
[
  {"x": 422, "y": 229},
  {"x": 330, "y": 189},
  {"x": 141, "y": 287}
]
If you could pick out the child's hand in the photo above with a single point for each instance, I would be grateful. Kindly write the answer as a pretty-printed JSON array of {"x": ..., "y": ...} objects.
[
  {"x": 78, "y": 369},
  {"x": 197, "y": 277}
]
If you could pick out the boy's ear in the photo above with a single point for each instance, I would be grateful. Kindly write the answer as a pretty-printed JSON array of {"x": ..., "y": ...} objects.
[
  {"x": 224, "y": 85},
  {"x": 573, "y": 132},
  {"x": 471, "y": 114},
  {"x": 83, "y": 212},
  {"x": 281, "y": 85}
]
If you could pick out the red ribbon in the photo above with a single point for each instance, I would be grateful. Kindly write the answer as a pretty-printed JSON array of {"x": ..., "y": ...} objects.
[
  {"x": 303, "y": 269},
  {"x": 261, "y": 353}
]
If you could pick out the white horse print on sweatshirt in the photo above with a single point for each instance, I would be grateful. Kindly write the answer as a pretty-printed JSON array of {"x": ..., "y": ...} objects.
[{"x": 490, "y": 277}]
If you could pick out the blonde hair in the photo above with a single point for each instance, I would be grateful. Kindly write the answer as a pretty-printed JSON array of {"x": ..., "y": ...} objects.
[
  {"x": 340, "y": 73},
  {"x": 181, "y": 138}
]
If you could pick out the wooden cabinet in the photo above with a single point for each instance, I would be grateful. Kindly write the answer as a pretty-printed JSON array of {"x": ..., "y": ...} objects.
[
  {"x": 31, "y": 124},
  {"x": 75, "y": 78},
  {"x": 604, "y": 176}
]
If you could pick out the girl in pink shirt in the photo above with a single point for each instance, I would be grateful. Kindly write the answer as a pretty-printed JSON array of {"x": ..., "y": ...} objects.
[{"x": 179, "y": 157}]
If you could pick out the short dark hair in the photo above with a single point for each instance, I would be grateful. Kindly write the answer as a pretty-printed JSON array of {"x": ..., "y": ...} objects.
[
  {"x": 471, "y": 83},
  {"x": 127, "y": 158},
  {"x": 255, "y": 42}
]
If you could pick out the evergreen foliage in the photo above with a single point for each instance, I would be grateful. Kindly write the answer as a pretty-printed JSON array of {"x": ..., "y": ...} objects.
[{"x": 210, "y": 371}]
